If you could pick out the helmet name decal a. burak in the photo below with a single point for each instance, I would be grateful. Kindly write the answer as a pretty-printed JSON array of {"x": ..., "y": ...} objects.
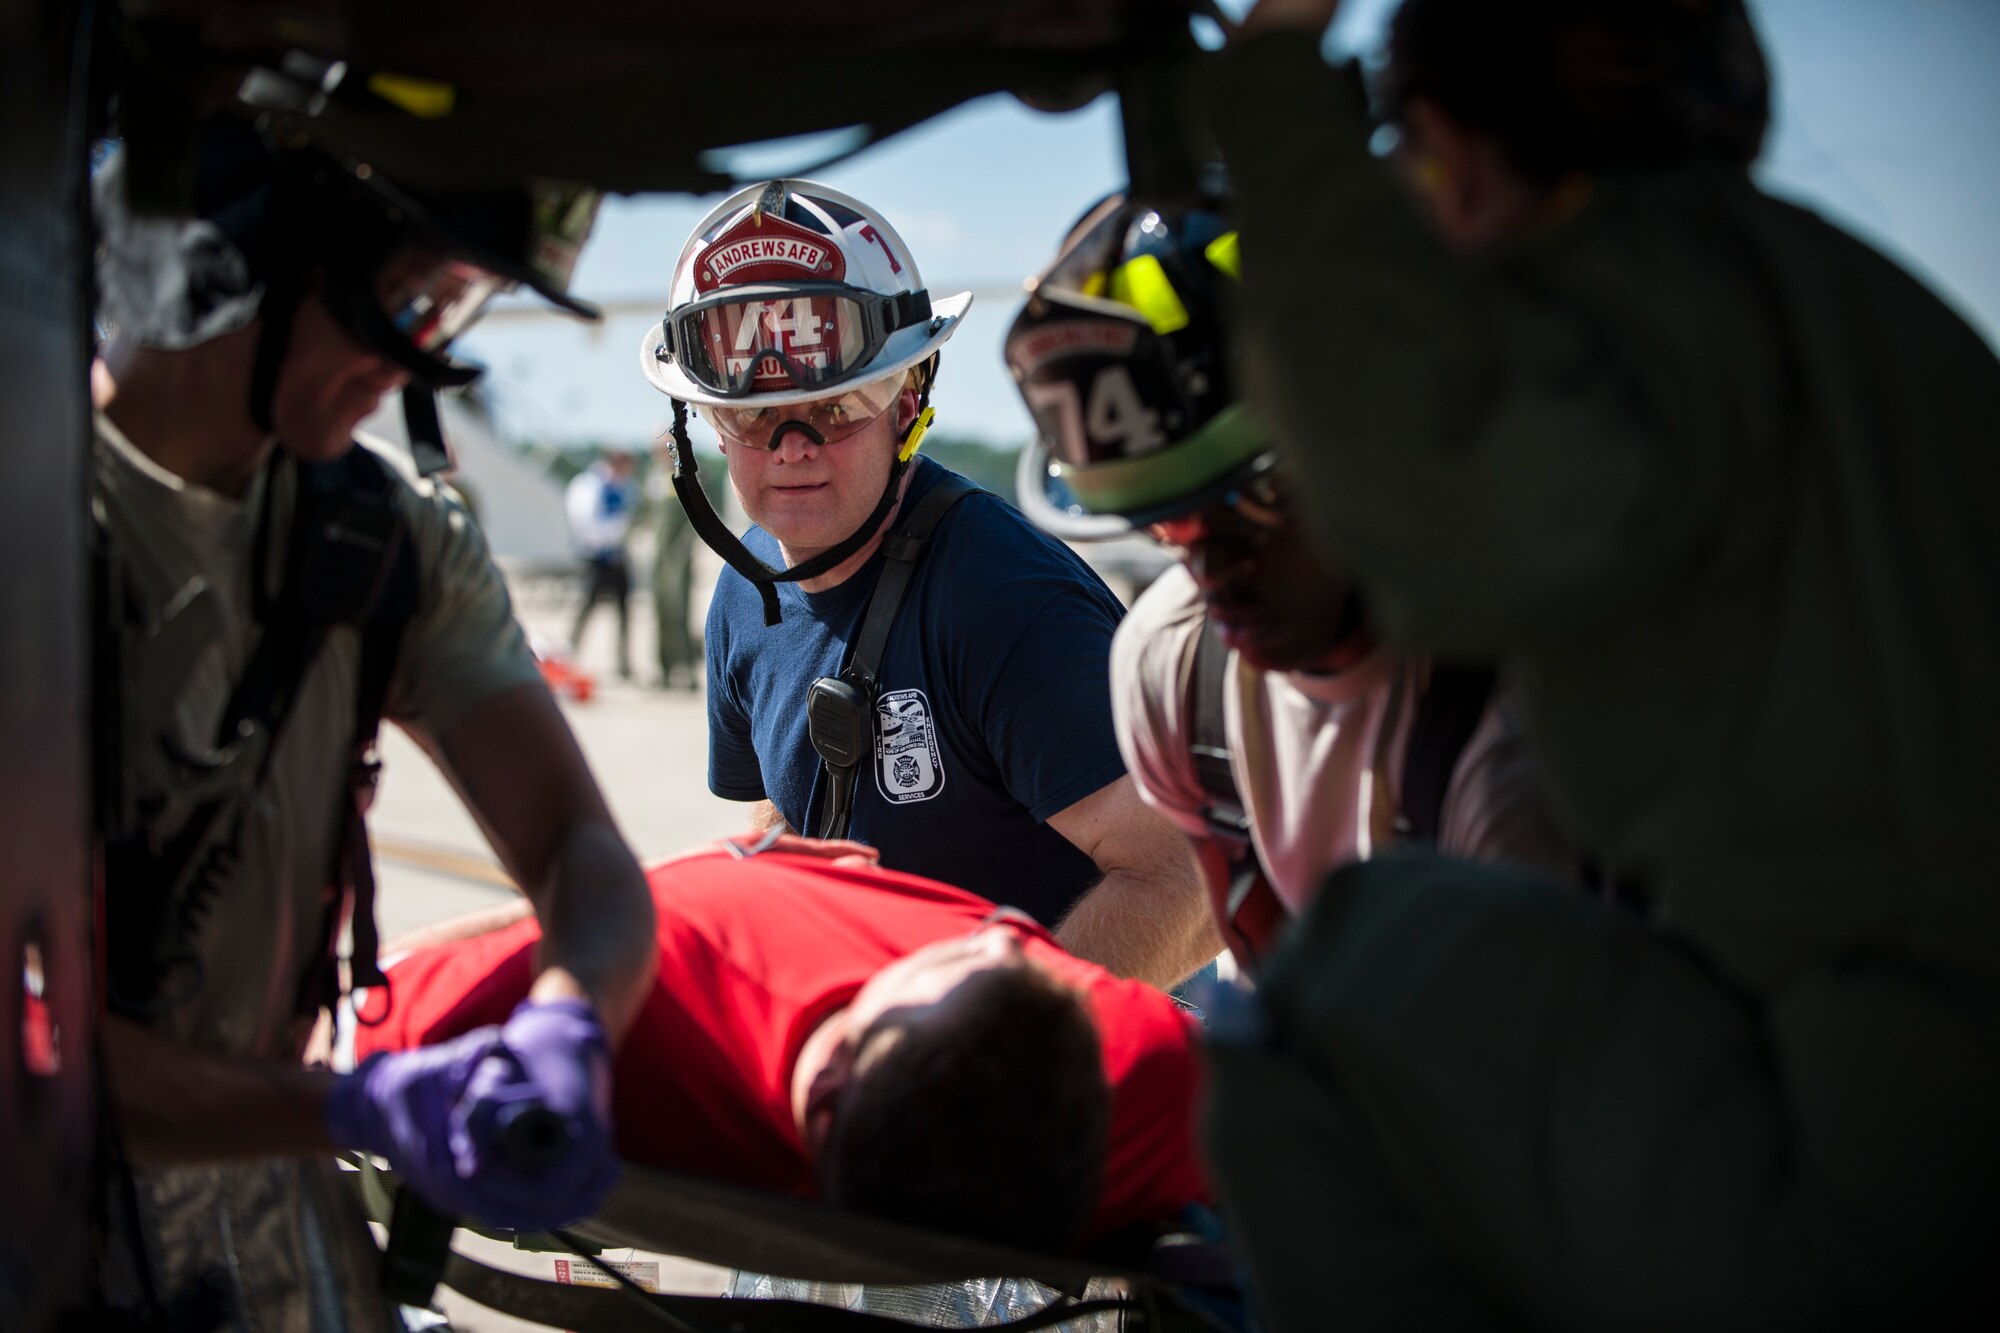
[{"x": 770, "y": 341}]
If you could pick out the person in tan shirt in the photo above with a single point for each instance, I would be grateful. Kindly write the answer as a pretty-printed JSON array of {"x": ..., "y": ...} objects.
[{"x": 251, "y": 550}]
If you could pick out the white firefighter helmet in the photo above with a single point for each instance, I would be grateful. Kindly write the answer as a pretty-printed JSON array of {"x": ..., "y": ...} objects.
[{"x": 786, "y": 291}]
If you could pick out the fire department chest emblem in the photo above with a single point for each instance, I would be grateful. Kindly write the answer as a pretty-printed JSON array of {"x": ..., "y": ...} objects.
[{"x": 906, "y": 748}]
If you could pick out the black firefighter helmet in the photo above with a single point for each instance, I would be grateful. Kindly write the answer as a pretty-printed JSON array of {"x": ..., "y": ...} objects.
[
  {"x": 401, "y": 272},
  {"x": 1123, "y": 355}
]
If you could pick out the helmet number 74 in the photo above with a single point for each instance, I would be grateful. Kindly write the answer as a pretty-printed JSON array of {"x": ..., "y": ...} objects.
[
  {"x": 789, "y": 321},
  {"x": 1114, "y": 420}
]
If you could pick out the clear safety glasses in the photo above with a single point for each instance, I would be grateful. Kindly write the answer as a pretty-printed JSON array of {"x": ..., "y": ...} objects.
[
  {"x": 1245, "y": 516},
  {"x": 411, "y": 308},
  {"x": 763, "y": 339},
  {"x": 431, "y": 299},
  {"x": 831, "y": 418}
]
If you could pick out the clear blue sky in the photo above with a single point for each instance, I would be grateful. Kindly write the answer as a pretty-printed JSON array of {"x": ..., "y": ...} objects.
[{"x": 1887, "y": 117}]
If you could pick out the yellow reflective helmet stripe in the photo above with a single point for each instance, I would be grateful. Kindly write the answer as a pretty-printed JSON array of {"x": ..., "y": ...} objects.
[
  {"x": 1223, "y": 252},
  {"x": 1141, "y": 283},
  {"x": 422, "y": 98}
]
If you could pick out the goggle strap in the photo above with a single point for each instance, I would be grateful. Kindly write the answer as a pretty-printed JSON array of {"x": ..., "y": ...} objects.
[{"x": 910, "y": 309}]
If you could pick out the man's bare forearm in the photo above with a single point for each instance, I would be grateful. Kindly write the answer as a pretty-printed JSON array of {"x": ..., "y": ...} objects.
[
  {"x": 597, "y": 928},
  {"x": 1147, "y": 918},
  {"x": 176, "y": 1104},
  {"x": 1154, "y": 928},
  {"x": 524, "y": 779}
]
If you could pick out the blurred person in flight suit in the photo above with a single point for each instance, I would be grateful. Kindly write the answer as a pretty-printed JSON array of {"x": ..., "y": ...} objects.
[
  {"x": 677, "y": 647},
  {"x": 602, "y": 501}
]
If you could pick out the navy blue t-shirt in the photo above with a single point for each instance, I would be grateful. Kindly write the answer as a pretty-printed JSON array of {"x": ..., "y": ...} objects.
[{"x": 993, "y": 712}]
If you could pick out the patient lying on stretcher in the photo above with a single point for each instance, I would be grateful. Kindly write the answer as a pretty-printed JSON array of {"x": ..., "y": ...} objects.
[{"x": 899, "y": 1047}]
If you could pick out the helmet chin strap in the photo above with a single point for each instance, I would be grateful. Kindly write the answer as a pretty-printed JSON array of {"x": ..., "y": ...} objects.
[
  {"x": 282, "y": 294},
  {"x": 711, "y": 529}
]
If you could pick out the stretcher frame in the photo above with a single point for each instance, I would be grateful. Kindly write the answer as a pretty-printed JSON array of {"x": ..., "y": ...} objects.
[{"x": 1176, "y": 1282}]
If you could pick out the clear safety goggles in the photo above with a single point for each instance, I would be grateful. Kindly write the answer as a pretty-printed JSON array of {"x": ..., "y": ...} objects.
[
  {"x": 831, "y": 418},
  {"x": 764, "y": 339}
]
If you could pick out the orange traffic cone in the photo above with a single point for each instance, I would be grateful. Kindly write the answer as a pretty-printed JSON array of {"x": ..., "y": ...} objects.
[{"x": 563, "y": 678}]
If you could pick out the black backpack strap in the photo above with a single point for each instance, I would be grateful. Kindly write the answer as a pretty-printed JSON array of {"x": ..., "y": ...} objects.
[
  {"x": 163, "y": 898},
  {"x": 381, "y": 641},
  {"x": 1247, "y": 912},
  {"x": 1447, "y": 715},
  {"x": 393, "y": 602},
  {"x": 903, "y": 550}
]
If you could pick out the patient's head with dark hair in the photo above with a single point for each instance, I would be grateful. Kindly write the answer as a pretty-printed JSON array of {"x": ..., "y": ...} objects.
[{"x": 971, "y": 1098}]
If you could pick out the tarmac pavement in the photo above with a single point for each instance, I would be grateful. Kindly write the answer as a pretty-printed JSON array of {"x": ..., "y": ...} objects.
[{"x": 647, "y": 746}]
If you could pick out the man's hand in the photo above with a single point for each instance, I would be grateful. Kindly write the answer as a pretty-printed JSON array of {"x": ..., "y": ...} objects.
[
  {"x": 840, "y": 851},
  {"x": 554, "y": 1059},
  {"x": 764, "y": 817},
  {"x": 446, "y": 1117}
]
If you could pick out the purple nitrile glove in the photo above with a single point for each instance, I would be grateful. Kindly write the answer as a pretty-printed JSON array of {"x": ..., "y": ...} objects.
[
  {"x": 552, "y": 1071},
  {"x": 400, "y": 1104}
]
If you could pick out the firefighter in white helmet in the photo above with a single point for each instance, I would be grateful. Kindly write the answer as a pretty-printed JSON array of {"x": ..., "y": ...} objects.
[{"x": 969, "y": 736}]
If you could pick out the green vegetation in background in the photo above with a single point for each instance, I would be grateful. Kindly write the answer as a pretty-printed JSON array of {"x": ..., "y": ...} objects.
[{"x": 989, "y": 465}]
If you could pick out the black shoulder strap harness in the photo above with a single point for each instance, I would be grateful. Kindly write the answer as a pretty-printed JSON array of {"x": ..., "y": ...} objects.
[
  {"x": 350, "y": 561},
  {"x": 1447, "y": 715},
  {"x": 1247, "y": 910},
  {"x": 840, "y": 709}
]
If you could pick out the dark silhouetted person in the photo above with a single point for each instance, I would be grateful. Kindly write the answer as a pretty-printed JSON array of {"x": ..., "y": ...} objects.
[{"x": 1716, "y": 482}]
